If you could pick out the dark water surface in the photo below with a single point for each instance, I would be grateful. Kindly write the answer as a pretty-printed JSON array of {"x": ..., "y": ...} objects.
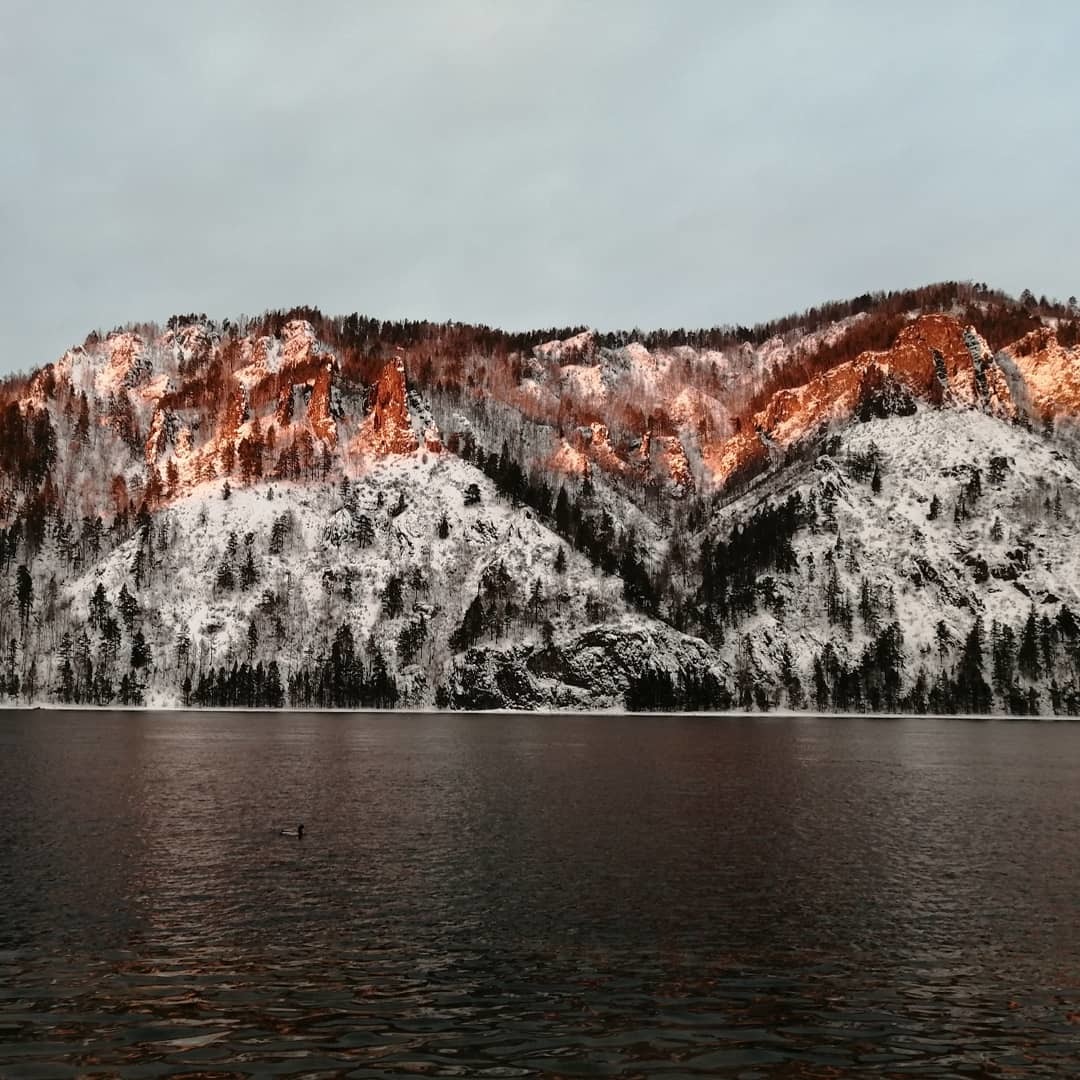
[{"x": 537, "y": 896}]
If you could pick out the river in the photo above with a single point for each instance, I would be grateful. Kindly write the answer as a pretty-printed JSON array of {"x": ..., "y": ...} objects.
[{"x": 537, "y": 896}]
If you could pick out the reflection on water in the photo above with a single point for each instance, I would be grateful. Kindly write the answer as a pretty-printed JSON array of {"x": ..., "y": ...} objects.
[{"x": 537, "y": 896}]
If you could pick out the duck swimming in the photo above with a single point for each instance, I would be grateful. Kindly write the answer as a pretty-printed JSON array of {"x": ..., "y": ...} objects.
[{"x": 297, "y": 832}]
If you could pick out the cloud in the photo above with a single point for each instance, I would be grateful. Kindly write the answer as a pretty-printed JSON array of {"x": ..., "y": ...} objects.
[{"x": 613, "y": 163}]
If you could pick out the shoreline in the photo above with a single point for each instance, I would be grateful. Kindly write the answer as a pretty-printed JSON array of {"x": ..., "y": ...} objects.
[{"x": 779, "y": 714}]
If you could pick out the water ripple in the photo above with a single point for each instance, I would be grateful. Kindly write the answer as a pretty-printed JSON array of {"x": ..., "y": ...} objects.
[{"x": 537, "y": 898}]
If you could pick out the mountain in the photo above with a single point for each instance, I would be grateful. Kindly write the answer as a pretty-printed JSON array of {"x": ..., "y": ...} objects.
[{"x": 870, "y": 505}]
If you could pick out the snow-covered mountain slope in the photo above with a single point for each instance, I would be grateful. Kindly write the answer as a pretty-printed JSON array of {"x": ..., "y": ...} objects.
[
  {"x": 872, "y": 505},
  {"x": 273, "y": 572},
  {"x": 929, "y": 521}
]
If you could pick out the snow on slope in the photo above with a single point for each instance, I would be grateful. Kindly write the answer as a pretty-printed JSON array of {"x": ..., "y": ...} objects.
[
  {"x": 931, "y": 567},
  {"x": 560, "y": 350},
  {"x": 652, "y": 426},
  {"x": 325, "y": 577}
]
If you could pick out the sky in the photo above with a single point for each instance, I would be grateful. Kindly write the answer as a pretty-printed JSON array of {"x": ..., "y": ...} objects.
[{"x": 613, "y": 163}]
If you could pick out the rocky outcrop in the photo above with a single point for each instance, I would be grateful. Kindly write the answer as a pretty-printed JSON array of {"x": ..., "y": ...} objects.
[
  {"x": 1051, "y": 372},
  {"x": 128, "y": 363},
  {"x": 320, "y": 408},
  {"x": 571, "y": 350},
  {"x": 297, "y": 374},
  {"x": 660, "y": 456},
  {"x": 589, "y": 670},
  {"x": 673, "y": 464},
  {"x": 664, "y": 456},
  {"x": 192, "y": 346},
  {"x": 164, "y": 428},
  {"x": 595, "y": 442},
  {"x": 388, "y": 427},
  {"x": 934, "y": 359},
  {"x": 568, "y": 459}
]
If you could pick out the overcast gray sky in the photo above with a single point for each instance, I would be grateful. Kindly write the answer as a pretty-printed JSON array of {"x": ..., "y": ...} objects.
[{"x": 525, "y": 163}]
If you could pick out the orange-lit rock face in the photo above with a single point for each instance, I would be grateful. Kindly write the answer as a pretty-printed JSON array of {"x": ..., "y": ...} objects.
[
  {"x": 934, "y": 358},
  {"x": 643, "y": 454},
  {"x": 912, "y": 358},
  {"x": 672, "y": 462},
  {"x": 298, "y": 354},
  {"x": 585, "y": 446},
  {"x": 192, "y": 345},
  {"x": 264, "y": 358},
  {"x": 298, "y": 343},
  {"x": 568, "y": 459},
  {"x": 698, "y": 412},
  {"x": 728, "y": 457},
  {"x": 113, "y": 367},
  {"x": 158, "y": 436},
  {"x": 596, "y": 442},
  {"x": 1051, "y": 373},
  {"x": 534, "y": 401},
  {"x": 283, "y": 410},
  {"x": 125, "y": 351},
  {"x": 388, "y": 428},
  {"x": 233, "y": 415},
  {"x": 662, "y": 456},
  {"x": 318, "y": 411},
  {"x": 627, "y": 413},
  {"x": 941, "y": 361}
]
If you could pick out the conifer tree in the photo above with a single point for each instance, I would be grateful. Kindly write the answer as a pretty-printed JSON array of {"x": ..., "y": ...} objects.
[
  {"x": 1027, "y": 656},
  {"x": 99, "y": 606},
  {"x": 24, "y": 593},
  {"x": 971, "y": 684}
]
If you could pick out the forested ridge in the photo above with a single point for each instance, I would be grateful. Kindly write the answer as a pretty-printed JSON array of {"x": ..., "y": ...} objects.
[{"x": 297, "y": 510}]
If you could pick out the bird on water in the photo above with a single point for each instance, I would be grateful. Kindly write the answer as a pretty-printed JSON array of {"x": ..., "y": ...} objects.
[{"x": 298, "y": 831}]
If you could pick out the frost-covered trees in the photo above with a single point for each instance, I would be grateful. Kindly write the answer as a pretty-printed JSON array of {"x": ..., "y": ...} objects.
[
  {"x": 410, "y": 638},
  {"x": 1028, "y": 654},
  {"x": 392, "y": 596},
  {"x": 471, "y": 628},
  {"x": 249, "y": 573},
  {"x": 972, "y": 690},
  {"x": 365, "y": 531},
  {"x": 90, "y": 457},
  {"x": 24, "y": 592},
  {"x": 559, "y": 565},
  {"x": 225, "y": 581},
  {"x": 280, "y": 531},
  {"x": 140, "y": 651}
]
